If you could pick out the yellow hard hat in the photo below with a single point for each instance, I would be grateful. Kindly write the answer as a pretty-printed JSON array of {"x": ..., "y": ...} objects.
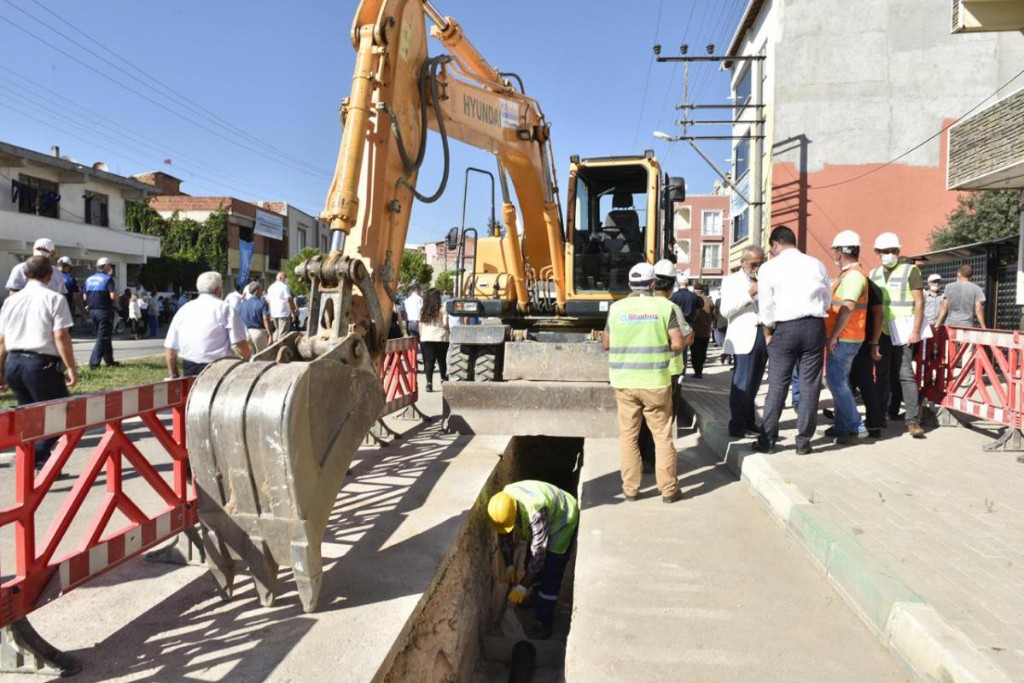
[{"x": 502, "y": 511}]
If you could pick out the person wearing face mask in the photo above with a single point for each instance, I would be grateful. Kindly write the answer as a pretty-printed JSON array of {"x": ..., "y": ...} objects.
[
  {"x": 933, "y": 298},
  {"x": 902, "y": 297}
]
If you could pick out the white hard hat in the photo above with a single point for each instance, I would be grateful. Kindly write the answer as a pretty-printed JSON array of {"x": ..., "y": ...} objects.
[
  {"x": 43, "y": 247},
  {"x": 665, "y": 268},
  {"x": 933, "y": 277},
  {"x": 64, "y": 259},
  {"x": 846, "y": 238},
  {"x": 103, "y": 261},
  {"x": 887, "y": 240},
  {"x": 641, "y": 275}
]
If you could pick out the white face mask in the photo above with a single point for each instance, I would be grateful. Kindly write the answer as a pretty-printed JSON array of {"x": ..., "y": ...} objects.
[
  {"x": 934, "y": 286},
  {"x": 890, "y": 260}
]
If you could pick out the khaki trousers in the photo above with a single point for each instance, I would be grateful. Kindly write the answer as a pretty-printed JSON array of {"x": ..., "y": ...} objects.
[
  {"x": 282, "y": 326},
  {"x": 258, "y": 339},
  {"x": 655, "y": 407}
]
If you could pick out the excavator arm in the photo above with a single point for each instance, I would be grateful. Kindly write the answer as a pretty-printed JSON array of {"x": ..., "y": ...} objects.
[{"x": 271, "y": 440}]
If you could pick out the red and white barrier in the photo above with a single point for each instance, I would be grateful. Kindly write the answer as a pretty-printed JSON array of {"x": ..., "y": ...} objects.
[
  {"x": 95, "y": 548},
  {"x": 398, "y": 374}
]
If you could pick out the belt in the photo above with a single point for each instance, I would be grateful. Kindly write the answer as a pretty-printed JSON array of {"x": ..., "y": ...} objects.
[
  {"x": 795, "y": 320},
  {"x": 34, "y": 353}
]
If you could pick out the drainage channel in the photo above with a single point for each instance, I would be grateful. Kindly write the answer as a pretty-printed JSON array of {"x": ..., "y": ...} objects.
[
  {"x": 463, "y": 628},
  {"x": 508, "y": 655}
]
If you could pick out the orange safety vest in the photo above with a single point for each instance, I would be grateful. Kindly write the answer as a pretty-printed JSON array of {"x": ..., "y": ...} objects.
[{"x": 856, "y": 326}]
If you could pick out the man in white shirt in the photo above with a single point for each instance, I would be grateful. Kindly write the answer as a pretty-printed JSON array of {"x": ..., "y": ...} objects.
[
  {"x": 793, "y": 296},
  {"x": 282, "y": 306},
  {"x": 35, "y": 337},
  {"x": 204, "y": 330},
  {"x": 233, "y": 298},
  {"x": 413, "y": 305},
  {"x": 43, "y": 247},
  {"x": 744, "y": 339}
]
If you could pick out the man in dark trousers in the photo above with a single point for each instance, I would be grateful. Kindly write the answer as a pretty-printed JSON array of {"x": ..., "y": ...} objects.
[
  {"x": 701, "y": 320},
  {"x": 35, "y": 338},
  {"x": 100, "y": 299},
  {"x": 793, "y": 296}
]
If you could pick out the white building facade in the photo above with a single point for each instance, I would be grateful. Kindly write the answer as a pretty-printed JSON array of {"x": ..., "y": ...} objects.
[{"x": 80, "y": 208}]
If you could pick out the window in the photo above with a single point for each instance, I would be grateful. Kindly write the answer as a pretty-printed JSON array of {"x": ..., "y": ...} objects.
[
  {"x": 681, "y": 219},
  {"x": 741, "y": 156},
  {"x": 711, "y": 223},
  {"x": 36, "y": 196},
  {"x": 743, "y": 89},
  {"x": 740, "y": 226},
  {"x": 711, "y": 257},
  {"x": 683, "y": 251},
  {"x": 96, "y": 209},
  {"x": 302, "y": 240},
  {"x": 325, "y": 244}
]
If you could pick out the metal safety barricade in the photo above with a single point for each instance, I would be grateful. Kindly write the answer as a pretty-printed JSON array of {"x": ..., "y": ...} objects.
[
  {"x": 398, "y": 374},
  {"x": 40, "y": 574},
  {"x": 978, "y": 372}
]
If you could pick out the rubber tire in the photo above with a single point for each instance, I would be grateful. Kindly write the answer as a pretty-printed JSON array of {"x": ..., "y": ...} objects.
[
  {"x": 458, "y": 365},
  {"x": 486, "y": 367}
]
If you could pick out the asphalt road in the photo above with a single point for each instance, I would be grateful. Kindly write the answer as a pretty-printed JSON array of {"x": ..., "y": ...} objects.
[{"x": 123, "y": 348}]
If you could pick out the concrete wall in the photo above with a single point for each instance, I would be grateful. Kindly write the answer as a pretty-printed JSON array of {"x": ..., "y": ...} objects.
[
  {"x": 84, "y": 243},
  {"x": 852, "y": 86}
]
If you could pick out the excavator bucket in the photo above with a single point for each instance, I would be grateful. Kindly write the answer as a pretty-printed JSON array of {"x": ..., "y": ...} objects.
[{"x": 270, "y": 442}]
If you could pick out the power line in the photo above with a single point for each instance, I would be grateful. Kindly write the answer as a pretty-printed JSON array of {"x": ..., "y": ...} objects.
[
  {"x": 102, "y": 126},
  {"x": 647, "y": 81},
  {"x": 923, "y": 142},
  {"x": 161, "y": 105},
  {"x": 198, "y": 108}
]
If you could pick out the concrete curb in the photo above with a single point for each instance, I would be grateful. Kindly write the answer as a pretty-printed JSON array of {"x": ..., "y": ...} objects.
[{"x": 911, "y": 628}]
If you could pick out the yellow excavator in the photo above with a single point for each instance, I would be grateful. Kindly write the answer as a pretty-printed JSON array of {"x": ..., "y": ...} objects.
[{"x": 270, "y": 441}]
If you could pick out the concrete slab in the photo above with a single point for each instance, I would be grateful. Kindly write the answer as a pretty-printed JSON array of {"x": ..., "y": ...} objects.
[
  {"x": 914, "y": 534},
  {"x": 403, "y": 513},
  {"x": 706, "y": 589}
]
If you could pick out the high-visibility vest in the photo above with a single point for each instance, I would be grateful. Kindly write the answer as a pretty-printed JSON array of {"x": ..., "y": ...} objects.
[
  {"x": 897, "y": 301},
  {"x": 562, "y": 511},
  {"x": 640, "y": 356},
  {"x": 856, "y": 324}
]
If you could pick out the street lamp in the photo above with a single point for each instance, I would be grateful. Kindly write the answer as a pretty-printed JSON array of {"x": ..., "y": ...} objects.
[{"x": 665, "y": 136}]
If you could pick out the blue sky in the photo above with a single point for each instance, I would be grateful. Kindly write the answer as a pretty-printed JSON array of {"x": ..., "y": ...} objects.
[{"x": 242, "y": 96}]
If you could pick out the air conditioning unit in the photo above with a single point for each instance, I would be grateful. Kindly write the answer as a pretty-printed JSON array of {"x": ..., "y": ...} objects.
[{"x": 979, "y": 16}]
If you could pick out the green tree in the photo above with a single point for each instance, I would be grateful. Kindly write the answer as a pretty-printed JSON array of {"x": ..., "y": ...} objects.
[
  {"x": 445, "y": 280},
  {"x": 299, "y": 287},
  {"x": 187, "y": 247},
  {"x": 979, "y": 217},
  {"x": 414, "y": 268}
]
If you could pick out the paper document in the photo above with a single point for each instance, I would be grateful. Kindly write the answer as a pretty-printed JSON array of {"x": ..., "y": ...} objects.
[{"x": 900, "y": 329}]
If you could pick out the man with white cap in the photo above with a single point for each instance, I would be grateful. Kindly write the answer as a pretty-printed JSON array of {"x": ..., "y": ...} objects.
[
  {"x": 43, "y": 247},
  {"x": 100, "y": 299},
  {"x": 933, "y": 298},
  {"x": 641, "y": 335},
  {"x": 71, "y": 288}
]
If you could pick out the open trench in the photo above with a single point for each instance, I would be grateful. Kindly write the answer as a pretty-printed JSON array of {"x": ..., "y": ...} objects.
[{"x": 464, "y": 630}]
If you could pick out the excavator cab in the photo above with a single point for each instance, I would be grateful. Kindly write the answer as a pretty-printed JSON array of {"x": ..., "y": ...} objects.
[{"x": 614, "y": 213}]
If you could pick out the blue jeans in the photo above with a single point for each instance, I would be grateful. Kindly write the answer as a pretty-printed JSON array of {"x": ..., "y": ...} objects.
[
  {"x": 103, "y": 319},
  {"x": 837, "y": 374}
]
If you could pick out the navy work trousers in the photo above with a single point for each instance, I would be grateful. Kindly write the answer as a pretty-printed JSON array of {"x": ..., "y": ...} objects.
[
  {"x": 33, "y": 378},
  {"x": 103, "y": 351}
]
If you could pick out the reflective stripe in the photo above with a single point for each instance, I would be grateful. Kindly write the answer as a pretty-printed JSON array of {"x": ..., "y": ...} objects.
[
  {"x": 839, "y": 302},
  {"x": 547, "y": 596},
  {"x": 639, "y": 349},
  {"x": 660, "y": 365}
]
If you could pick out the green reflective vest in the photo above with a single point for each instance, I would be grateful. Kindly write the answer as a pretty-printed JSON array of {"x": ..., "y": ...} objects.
[
  {"x": 897, "y": 301},
  {"x": 562, "y": 510},
  {"x": 639, "y": 356}
]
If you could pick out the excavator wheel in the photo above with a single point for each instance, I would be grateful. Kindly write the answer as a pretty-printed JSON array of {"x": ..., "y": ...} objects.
[{"x": 270, "y": 443}]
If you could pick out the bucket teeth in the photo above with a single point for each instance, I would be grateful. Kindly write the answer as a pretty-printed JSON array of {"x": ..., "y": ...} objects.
[{"x": 270, "y": 444}]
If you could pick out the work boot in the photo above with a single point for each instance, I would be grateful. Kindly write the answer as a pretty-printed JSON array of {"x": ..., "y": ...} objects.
[
  {"x": 673, "y": 498},
  {"x": 915, "y": 430},
  {"x": 540, "y": 631}
]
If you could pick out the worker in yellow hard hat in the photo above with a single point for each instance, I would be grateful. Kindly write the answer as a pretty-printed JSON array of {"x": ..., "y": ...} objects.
[{"x": 546, "y": 518}]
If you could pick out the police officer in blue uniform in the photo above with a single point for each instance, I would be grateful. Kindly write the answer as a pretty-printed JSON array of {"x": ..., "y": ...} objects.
[{"x": 100, "y": 298}]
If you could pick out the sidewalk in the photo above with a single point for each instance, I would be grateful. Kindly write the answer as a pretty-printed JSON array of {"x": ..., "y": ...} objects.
[{"x": 920, "y": 536}]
